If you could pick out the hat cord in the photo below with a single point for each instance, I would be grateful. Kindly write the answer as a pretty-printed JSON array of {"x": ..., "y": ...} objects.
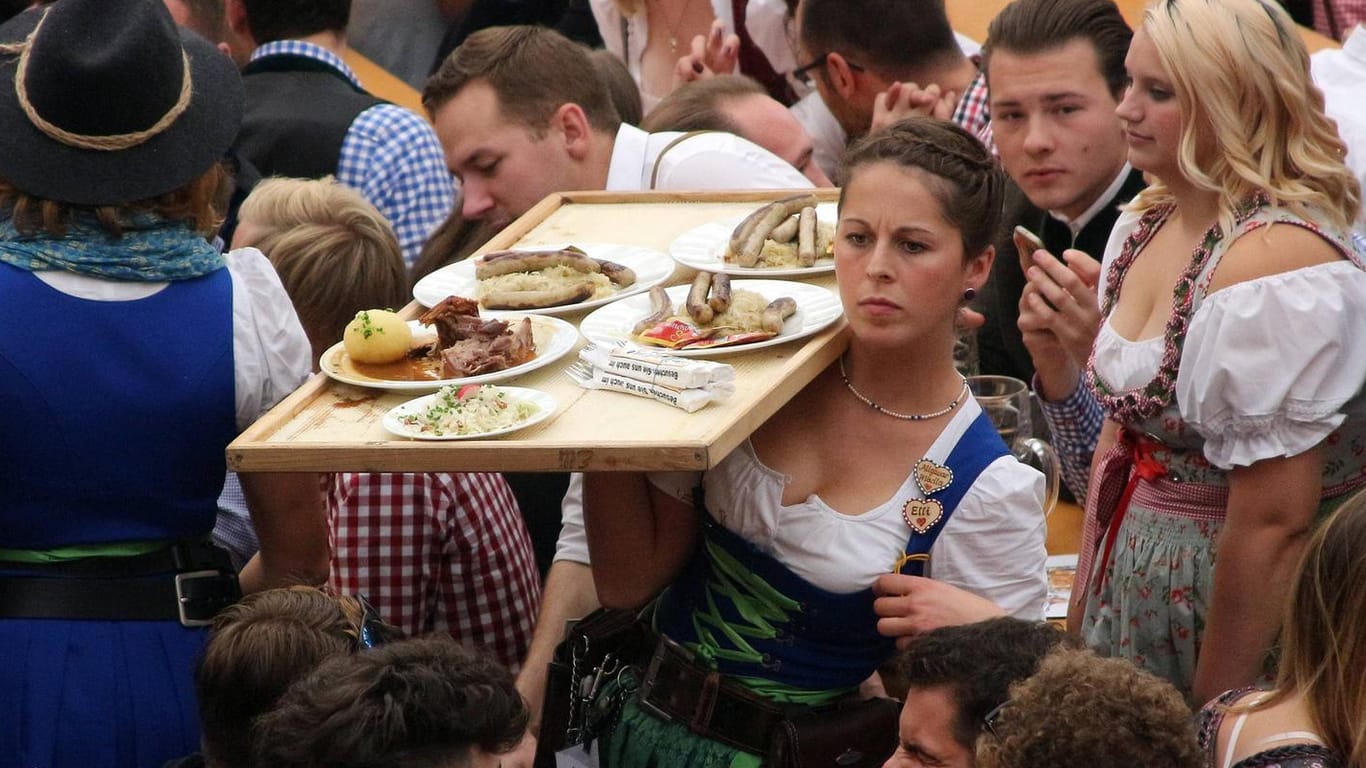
[{"x": 102, "y": 143}]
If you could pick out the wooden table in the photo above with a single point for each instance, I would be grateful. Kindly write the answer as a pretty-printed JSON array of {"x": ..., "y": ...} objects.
[
  {"x": 972, "y": 17},
  {"x": 326, "y": 426}
]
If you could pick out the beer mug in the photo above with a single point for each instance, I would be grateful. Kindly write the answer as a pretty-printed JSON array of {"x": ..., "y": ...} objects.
[{"x": 1007, "y": 402}]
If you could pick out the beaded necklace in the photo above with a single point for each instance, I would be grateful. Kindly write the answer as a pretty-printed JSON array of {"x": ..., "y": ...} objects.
[{"x": 962, "y": 393}]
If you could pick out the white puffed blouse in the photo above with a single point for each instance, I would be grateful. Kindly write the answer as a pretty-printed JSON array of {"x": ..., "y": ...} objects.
[{"x": 1270, "y": 367}]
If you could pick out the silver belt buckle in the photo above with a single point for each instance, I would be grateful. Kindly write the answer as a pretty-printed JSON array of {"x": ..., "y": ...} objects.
[{"x": 182, "y": 600}]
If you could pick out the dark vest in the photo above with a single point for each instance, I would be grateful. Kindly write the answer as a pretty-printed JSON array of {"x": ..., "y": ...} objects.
[
  {"x": 1000, "y": 346},
  {"x": 298, "y": 111}
]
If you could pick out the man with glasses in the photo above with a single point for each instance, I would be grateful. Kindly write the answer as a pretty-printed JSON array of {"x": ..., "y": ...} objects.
[
  {"x": 853, "y": 51},
  {"x": 958, "y": 677}
]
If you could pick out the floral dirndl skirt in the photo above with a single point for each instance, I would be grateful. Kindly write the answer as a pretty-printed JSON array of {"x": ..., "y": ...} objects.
[{"x": 1148, "y": 600}]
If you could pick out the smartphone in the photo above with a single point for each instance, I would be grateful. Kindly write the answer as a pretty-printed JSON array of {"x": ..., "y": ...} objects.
[{"x": 1026, "y": 243}]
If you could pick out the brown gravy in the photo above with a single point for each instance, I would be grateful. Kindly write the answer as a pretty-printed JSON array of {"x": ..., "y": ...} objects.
[{"x": 405, "y": 369}]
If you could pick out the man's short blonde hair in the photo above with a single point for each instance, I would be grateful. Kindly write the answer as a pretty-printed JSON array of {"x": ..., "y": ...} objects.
[{"x": 335, "y": 253}]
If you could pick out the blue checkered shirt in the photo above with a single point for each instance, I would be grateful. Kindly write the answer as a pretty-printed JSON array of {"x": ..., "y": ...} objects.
[
  {"x": 1074, "y": 426},
  {"x": 391, "y": 156}
]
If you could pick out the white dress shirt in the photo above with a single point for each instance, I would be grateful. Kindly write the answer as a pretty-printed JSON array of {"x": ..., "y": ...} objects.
[
  {"x": 711, "y": 160},
  {"x": 1341, "y": 74}
]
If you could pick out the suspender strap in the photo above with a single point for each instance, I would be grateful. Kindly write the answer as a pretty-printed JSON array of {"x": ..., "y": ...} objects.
[
  {"x": 979, "y": 446},
  {"x": 654, "y": 172}
]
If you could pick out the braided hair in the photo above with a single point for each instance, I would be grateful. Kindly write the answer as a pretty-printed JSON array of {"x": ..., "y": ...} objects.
[{"x": 964, "y": 177}]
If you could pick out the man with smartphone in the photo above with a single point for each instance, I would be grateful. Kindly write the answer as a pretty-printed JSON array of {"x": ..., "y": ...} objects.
[{"x": 1055, "y": 73}]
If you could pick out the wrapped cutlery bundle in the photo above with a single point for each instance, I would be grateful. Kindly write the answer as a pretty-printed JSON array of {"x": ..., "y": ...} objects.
[
  {"x": 687, "y": 384},
  {"x": 669, "y": 370}
]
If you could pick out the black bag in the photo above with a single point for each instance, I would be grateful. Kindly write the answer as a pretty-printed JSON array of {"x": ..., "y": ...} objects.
[
  {"x": 598, "y": 644},
  {"x": 848, "y": 734}
]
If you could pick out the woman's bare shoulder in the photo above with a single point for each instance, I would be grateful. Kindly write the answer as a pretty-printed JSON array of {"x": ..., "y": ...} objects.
[{"x": 1272, "y": 250}]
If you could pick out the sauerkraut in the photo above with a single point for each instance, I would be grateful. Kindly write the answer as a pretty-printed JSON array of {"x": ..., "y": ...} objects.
[
  {"x": 470, "y": 410},
  {"x": 545, "y": 279}
]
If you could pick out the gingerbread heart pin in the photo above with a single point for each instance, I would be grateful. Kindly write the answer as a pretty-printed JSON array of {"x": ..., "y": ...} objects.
[
  {"x": 922, "y": 514},
  {"x": 931, "y": 478}
]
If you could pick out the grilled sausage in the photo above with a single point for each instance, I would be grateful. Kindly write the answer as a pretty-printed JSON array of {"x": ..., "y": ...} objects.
[
  {"x": 773, "y": 216},
  {"x": 660, "y": 310},
  {"x": 806, "y": 237},
  {"x": 783, "y": 233},
  {"x": 507, "y": 262},
  {"x": 698, "y": 308},
  {"x": 550, "y": 297},
  {"x": 776, "y": 312},
  {"x": 619, "y": 274},
  {"x": 720, "y": 293}
]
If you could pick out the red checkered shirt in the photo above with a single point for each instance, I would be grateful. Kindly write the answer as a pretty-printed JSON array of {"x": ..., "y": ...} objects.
[
  {"x": 438, "y": 553},
  {"x": 1346, "y": 15},
  {"x": 973, "y": 113}
]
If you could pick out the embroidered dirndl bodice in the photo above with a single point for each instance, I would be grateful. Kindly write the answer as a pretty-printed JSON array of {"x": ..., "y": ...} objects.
[{"x": 1151, "y": 411}]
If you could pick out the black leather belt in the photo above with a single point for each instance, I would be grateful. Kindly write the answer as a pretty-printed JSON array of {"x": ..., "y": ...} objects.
[
  {"x": 189, "y": 582},
  {"x": 678, "y": 689}
]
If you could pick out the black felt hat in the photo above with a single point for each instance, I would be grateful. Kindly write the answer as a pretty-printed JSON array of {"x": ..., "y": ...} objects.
[{"x": 105, "y": 102}]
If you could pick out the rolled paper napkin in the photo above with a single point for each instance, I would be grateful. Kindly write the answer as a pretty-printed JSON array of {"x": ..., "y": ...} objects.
[
  {"x": 689, "y": 399},
  {"x": 668, "y": 370}
]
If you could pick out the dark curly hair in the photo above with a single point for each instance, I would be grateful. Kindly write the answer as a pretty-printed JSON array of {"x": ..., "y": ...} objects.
[
  {"x": 419, "y": 703},
  {"x": 1081, "y": 711},
  {"x": 969, "y": 183},
  {"x": 978, "y": 663}
]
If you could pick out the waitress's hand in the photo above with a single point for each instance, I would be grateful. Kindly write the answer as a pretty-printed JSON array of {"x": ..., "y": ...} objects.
[{"x": 910, "y": 605}]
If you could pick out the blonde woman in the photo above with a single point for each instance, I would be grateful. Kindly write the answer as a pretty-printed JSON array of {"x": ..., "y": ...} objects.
[
  {"x": 1230, "y": 360},
  {"x": 1315, "y": 717}
]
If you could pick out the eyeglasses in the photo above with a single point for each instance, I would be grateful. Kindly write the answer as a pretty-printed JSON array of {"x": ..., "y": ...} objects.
[
  {"x": 803, "y": 73},
  {"x": 990, "y": 718},
  {"x": 371, "y": 632}
]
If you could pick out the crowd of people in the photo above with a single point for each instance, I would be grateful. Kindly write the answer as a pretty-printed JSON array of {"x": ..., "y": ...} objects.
[{"x": 196, "y": 196}]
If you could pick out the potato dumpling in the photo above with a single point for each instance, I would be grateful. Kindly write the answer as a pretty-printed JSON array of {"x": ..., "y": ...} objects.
[{"x": 377, "y": 336}]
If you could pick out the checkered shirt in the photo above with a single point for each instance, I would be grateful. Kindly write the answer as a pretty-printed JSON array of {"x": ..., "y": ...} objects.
[
  {"x": 391, "y": 156},
  {"x": 1346, "y": 14},
  {"x": 1074, "y": 425},
  {"x": 973, "y": 112},
  {"x": 441, "y": 552}
]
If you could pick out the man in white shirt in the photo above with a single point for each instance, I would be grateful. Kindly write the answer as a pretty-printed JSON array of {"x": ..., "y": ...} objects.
[
  {"x": 521, "y": 114},
  {"x": 1341, "y": 74}
]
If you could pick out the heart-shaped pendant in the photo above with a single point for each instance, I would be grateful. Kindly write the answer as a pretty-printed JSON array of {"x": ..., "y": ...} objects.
[
  {"x": 932, "y": 478},
  {"x": 922, "y": 514}
]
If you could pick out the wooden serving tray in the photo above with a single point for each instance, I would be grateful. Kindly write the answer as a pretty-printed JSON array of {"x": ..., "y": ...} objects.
[{"x": 326, "y": 426}]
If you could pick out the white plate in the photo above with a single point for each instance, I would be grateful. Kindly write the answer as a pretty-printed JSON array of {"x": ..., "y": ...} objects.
[
  {"x": 817, "y": 308},
  {"x": 651, "y": 268},
  {"x": 704, "y": 248},
  {"x": 545, "y": 404},
  {"x": 554, "y": 339}
]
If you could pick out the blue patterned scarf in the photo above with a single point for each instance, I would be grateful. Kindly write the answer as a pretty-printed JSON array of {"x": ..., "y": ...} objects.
[{"x": 151, "y": 250}]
